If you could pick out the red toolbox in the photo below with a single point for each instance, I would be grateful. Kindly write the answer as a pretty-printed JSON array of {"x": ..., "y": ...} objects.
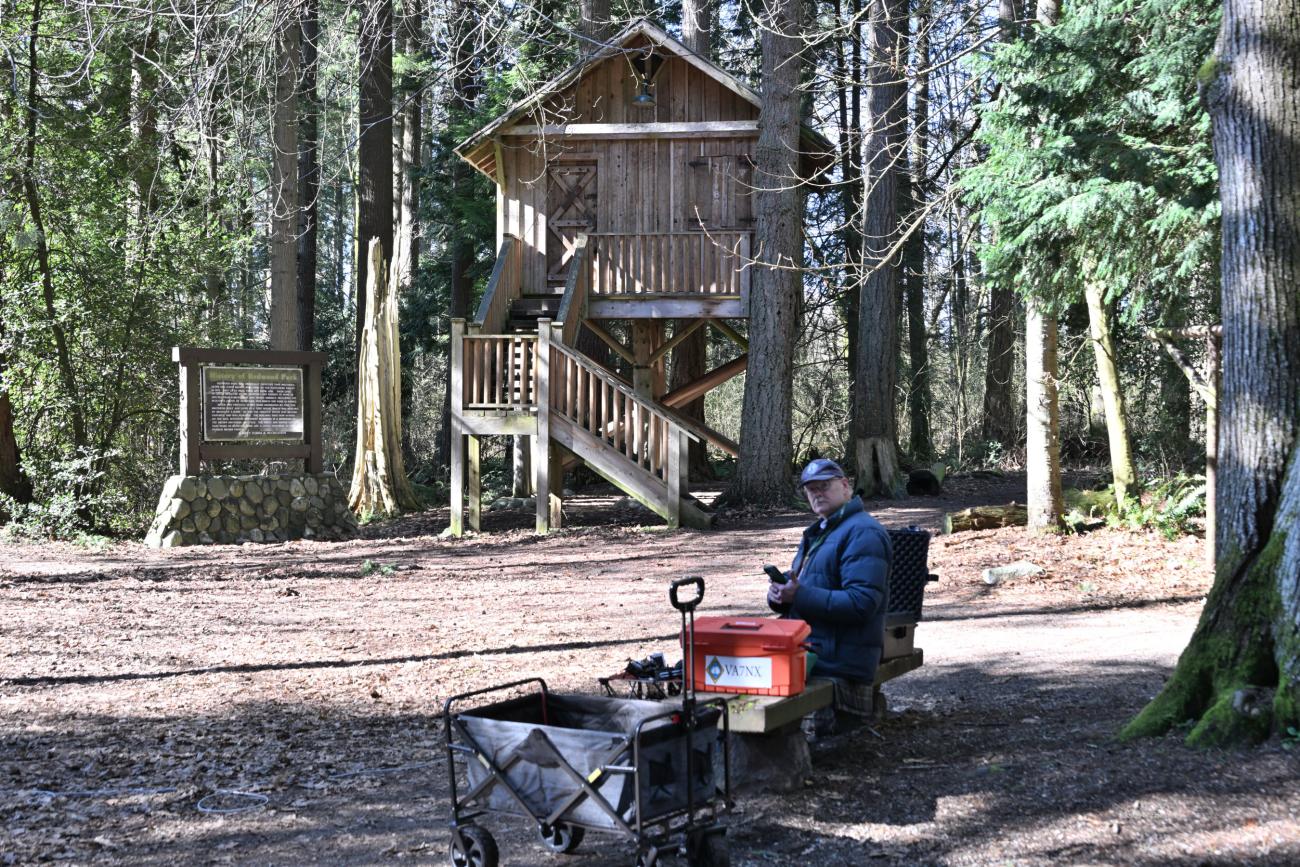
[{"x": 758, "y": 656}]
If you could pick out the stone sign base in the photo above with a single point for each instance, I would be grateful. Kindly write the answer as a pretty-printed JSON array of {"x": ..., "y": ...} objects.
[{"x": 207, "y": 510}]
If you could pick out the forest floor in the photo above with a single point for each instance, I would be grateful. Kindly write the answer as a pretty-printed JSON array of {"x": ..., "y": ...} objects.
[{"x": 140, "y": 690}]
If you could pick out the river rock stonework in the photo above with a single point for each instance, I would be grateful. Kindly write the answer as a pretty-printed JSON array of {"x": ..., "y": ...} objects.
[{"x": 208, "y": 510}]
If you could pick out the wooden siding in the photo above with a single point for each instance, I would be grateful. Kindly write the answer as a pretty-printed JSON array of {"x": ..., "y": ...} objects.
[
  {"x": 645, "y": 187},
  {"x": 683, "y": 94}
]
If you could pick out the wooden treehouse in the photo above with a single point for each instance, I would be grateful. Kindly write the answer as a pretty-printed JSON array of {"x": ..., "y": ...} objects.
[{"x": 624, "y": 206}]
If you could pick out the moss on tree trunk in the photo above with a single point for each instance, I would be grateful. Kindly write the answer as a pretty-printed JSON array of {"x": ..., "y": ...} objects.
[{"x": 1230, "y": 658}]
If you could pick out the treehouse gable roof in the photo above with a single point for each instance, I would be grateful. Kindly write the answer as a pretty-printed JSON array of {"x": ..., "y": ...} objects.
[{"x": 557, "y": 108}]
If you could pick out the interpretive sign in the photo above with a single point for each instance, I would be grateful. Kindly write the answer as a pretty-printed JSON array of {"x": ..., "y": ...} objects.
[
  {"x": 252, "y": 403},
  {"x": 249, "y": 404}
]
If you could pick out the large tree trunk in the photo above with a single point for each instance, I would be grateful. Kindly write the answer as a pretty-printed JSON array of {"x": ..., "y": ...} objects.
[
  {"x": 875, "y": 425},
  {"x": 14, "y": 482},
  {"x": 998, "y": 424},
  {"x": 463, "y": 87},
  {"x": 1239, "y": 677},
  {"x": 1042, "y": 422},
  {"x": 849, "y": 71},
  {"x": 763, "y": 473},
  {"x": 1112, "y": 398},
  {"x": 594, "y": 25},
  {"x": 284, "y": 332},
  {"x": 375, "y": 148},
  {"x": 408, "y": 238},
  {"x": 913, "y": 198},
  {"x": 308, "y": 176},
  {"x": 1042, "y": 407},
  {"x": 690, "y": 358},
  {"x": 697, "y": 26}
]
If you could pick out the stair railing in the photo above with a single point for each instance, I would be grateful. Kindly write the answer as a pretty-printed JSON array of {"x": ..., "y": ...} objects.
[
  {"x": 625, "y": 423},
  {"x": 573, "y": 305},
  {"x": 504, "y": 286}
]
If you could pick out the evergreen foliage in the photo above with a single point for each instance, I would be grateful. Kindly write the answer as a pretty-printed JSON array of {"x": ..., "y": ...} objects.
[{"x": 1099, "y": 164}]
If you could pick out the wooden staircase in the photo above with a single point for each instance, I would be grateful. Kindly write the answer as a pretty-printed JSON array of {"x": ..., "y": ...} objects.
[{"x": 516, "y": 372}]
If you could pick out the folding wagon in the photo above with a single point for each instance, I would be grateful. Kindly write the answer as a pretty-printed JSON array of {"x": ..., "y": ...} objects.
[{"x": 571, "y": 764}]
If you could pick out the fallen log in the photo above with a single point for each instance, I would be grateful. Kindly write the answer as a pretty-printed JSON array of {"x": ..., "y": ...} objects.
[{"x": 986, "y": 518}]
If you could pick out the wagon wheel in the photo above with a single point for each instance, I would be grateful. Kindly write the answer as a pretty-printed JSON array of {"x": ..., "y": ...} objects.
[
  {"x": 561, "y": 837},
  {"x": 472, "y": 846},
  {"x": 709, "y": 850}
]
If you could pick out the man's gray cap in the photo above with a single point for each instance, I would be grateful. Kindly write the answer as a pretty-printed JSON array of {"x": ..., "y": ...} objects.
[{"x": 820, "y": 470}]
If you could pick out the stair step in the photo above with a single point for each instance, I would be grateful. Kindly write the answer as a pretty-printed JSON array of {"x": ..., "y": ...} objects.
[{"x": 535, "y": 306}]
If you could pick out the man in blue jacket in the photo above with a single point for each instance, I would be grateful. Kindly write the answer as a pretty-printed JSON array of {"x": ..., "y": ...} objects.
[{"x": 839, "y": 584}]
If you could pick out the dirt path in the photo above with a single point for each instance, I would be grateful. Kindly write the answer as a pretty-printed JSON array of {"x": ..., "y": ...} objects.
[{"x": 136, "y": 684}]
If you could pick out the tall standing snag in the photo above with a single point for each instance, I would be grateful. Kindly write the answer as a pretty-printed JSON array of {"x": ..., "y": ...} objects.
[
  {"x": 379, "y": 483},
  {"x": 1239, "y": 677}
]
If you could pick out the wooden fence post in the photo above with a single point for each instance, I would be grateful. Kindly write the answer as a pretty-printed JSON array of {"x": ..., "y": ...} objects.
[
  {"x": 457, "y": 440},
  {"x": 542, "y": 465}
]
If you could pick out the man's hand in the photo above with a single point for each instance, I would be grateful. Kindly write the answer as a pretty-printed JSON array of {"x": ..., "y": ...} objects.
[{"x": 782, "y": 594}]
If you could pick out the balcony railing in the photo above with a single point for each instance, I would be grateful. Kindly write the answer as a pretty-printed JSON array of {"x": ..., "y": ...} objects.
[{"x": 690, "y": 264}]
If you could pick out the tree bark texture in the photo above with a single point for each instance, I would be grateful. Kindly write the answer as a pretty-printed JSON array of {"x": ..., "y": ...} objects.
[
  {"x": 375, "y": 147},
  {"x": 763, "y": 473},
  {"x": 1042, "y": 404},
  {"x": 308, "y": 175},
  {"x": 1112, "y": 397},
  {"x": 14, "y": 482},
  {"x": 998, "y": 424},
  {"x": 463, "y": 85},
  {"x": 690, "y": 358},
  {"x": 594, "y": 25},
  {"x": 985, "y": 518},
  {"x": 849, "y": 70},
  {"x": 1245, "y": 653},
  {"x": 379, "y": 483},
  {"x": 876, "y": 376},
  {"x": 283, "y": 268},
  {"x": 697, "y": 26},
  {"x": 407, "y": 256},
  {"x": 1043, "y": 422},
  {"x": 914, "y": 199},
  {"x": 145, "y": 152}
]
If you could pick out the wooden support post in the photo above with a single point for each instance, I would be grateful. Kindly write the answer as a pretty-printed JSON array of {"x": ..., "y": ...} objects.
[
  {"x": 555, "y": 503},
  {"x": 542, "y": 464},
  {"x": 191, "y": 417},
  {"x": 457, "y": 478},
  {"x": 457, "y": 438},
  {"x": 316, "y": 461},
  {"x": 642, "y": 349},
  {"x": 678, "y": 464},
  {"x": 474, "y": 487}
]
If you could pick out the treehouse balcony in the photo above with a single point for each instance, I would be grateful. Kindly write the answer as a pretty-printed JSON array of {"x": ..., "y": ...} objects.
[
  {"x": 671, "y": 275},
  {"x": 607, "y": 275}
]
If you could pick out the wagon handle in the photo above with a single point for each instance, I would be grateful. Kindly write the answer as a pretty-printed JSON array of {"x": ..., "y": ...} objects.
[{"x": 686, "y": 582}]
